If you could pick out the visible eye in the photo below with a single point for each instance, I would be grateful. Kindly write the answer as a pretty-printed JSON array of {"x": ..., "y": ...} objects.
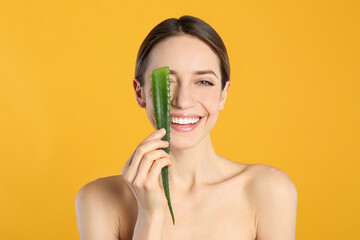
[{"x": 204, "y": 82}]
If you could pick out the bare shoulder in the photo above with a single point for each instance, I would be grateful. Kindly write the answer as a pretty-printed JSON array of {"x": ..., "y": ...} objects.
[
  {"x": 266, "y": 181},
  {"x": 267, "y": 178},
  {"x": 274, "y": 198},
  {"x": 106, "y": 190},
  {"x": 98, "y": 205}
]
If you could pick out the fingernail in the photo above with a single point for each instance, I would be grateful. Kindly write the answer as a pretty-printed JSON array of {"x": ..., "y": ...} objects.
[{"x": 161, "y": 130}]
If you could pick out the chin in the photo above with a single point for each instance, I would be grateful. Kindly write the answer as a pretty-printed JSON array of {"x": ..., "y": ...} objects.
[
  {"x": 180, "y": 147},
  {"x": 182, "y": 144}
]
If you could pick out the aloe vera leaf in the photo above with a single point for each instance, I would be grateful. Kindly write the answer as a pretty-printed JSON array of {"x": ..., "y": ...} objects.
[{"x": 161, "y": 98}]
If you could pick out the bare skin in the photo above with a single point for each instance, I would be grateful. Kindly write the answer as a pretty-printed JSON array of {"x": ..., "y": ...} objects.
[
  {"x": 212, "y": 197},
  {"x": 212, "y": 211},
  {"x": 229, "y": 209}
]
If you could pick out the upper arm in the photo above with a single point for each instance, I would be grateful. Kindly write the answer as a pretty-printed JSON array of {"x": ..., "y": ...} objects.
[
  {"x": 96, "y": 216},
  {"x": 275, "y": 205}
]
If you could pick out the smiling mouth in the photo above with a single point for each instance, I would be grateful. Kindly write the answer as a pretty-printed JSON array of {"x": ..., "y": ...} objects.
[{"x": 182, "y": 121}]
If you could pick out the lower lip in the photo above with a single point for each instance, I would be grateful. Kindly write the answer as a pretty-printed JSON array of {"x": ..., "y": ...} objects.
[{"x": 185, "y": 128}]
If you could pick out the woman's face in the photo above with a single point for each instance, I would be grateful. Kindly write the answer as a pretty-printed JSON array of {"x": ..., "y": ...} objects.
[{"x": 195, "y": 83}]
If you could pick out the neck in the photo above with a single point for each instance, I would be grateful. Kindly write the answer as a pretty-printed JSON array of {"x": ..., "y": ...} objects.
[{"x": 193, "y": 167}]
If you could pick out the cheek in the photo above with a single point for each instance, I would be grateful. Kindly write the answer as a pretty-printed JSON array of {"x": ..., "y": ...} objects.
[
  {"x": 149, "y": 98},
  {"x": 149, "y": 105},
  {"x": 209, "y": 99}
]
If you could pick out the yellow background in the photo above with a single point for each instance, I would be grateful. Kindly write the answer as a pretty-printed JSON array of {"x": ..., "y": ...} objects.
[{"x": 68, "y": 113}]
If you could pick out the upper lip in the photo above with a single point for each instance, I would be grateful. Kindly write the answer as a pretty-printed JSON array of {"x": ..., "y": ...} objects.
[{"x": 184, "y": 115}]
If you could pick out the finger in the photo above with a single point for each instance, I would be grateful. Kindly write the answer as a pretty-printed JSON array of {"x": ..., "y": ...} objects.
[
  {"x": 147, "y": 162},
  {"x": 139, "y": 152},
  {"x": 155, "y": 169},
  {"x": 158, "y": 134},
  {"x": 147, "y": 147}
]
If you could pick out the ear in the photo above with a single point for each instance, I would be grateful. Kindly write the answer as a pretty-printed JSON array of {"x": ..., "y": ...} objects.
[
  {"x": 139, "y": 93},
  {"x": 224, "y": 93}
]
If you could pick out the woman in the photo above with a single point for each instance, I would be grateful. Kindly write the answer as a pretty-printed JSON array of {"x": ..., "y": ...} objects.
[{"x": 212, "y": 197}]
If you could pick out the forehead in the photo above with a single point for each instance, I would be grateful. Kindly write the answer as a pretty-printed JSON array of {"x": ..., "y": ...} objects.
[{"x": 184, "y": 54}]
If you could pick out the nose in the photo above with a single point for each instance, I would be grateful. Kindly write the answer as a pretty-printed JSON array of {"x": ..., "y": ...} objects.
[{"x": 181, "y": 96}]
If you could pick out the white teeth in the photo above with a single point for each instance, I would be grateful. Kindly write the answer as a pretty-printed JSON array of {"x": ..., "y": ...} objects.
[{"x": 184, "y": 120}]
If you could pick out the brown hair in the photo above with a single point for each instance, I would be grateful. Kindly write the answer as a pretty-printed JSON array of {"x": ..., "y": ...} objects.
[{"x": 188, "y": 25}]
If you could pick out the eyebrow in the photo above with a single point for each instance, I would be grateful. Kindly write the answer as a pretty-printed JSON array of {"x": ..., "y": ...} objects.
[{"x": 201, "y": 72}]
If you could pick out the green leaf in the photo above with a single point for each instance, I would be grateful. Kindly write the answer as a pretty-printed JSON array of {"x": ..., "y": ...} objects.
[{"x": 161, "y": 98}]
